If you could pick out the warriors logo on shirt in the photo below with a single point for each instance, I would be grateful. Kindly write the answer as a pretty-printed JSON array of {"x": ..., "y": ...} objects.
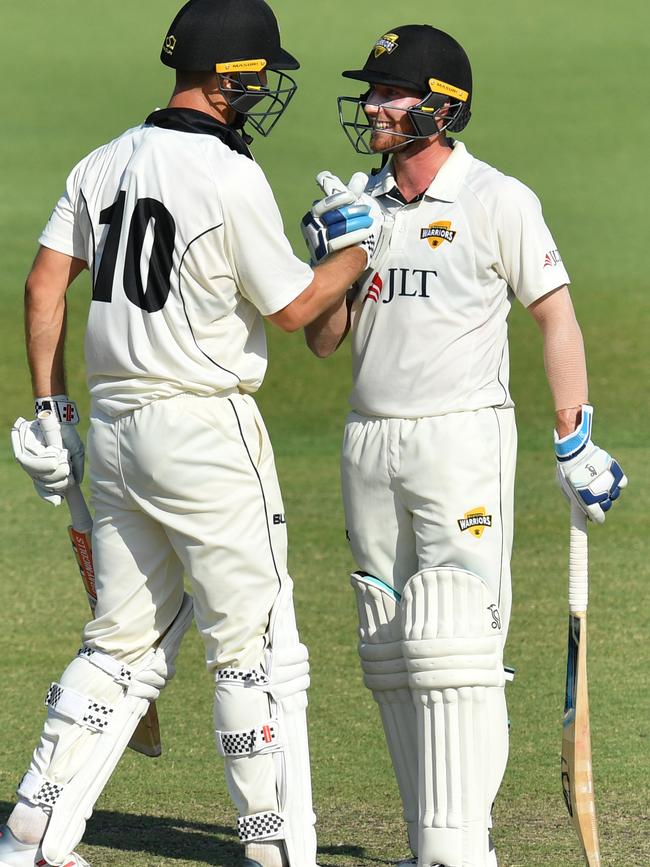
[
  {"x": 552, "y": 258},
  {"x": 476, "y": 520},
  {"x": 387, "y": 44},
  {"x": 436, "y": 233}
]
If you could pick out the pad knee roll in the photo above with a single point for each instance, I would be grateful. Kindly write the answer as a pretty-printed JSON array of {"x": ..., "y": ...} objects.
[{"x": 453, "y": 647}]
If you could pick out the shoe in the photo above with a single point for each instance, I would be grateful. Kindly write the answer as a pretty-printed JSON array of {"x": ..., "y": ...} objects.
[{"x": 13, "y": 853}]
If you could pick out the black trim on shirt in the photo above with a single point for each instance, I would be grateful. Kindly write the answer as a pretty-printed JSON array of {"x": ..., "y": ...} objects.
[
  {"x": 190, "y": 120},
  {"x": 397, "y": 196}
]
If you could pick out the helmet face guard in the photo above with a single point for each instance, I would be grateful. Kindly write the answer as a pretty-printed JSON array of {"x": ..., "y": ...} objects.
[
  {"x": 425, "y": 117},
  {"x": 255, "y": 92}
]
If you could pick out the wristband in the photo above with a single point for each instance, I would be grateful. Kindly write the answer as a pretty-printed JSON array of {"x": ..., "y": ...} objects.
[{"x": 65, "y": 410}]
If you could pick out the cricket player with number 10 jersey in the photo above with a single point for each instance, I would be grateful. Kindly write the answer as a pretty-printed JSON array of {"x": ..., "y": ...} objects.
[
  {"x": 428, "y": 459},
  {"x": 186, "y": 250}
]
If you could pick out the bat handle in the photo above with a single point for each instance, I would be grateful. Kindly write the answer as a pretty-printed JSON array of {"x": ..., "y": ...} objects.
[
  {"x": 578, "y": 561},
  {"x": 81, "y": 518}
]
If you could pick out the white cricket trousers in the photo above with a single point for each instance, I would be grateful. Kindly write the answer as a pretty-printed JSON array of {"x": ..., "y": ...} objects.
[
  {"x": 427, "y": 492},
  {"x": 186, "y": 484}
]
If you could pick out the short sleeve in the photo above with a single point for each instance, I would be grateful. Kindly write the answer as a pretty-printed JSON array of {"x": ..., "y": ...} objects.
[
  {"x": 528, "y": 257},
  {"x": 63, "y": 230},
  {"x": 269, "y": 274}
]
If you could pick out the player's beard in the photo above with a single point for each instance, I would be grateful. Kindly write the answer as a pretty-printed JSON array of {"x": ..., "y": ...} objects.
[{"x": 394, "y": 139}]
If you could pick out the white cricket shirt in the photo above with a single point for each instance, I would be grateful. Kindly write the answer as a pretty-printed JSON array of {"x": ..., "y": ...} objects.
[
  {"x": 429, "y": 330},
  {"x": 187, "y": 252}
]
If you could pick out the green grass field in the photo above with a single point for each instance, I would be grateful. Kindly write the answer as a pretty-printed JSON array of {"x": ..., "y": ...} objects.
[{"x": 559, "y": 102}]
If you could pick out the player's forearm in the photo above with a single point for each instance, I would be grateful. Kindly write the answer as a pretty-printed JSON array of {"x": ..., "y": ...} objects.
[
  {"x": 47, "y": 283},
  {"x": 326, "y": 332},
  {"x": 564, "y": 357},
  {"x": 331, "y": 281},
  {"x": 44, "y": 337}
]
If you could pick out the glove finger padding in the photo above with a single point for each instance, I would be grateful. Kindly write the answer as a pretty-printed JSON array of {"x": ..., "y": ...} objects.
[
  {"x": 46, "y": 464},
  {"x": 338, "y": 194}
]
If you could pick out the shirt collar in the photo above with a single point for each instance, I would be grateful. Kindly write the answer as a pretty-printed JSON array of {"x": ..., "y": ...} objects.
[
  {"x": 446, "y": 185},
  {"x": 190, "y": 120}
]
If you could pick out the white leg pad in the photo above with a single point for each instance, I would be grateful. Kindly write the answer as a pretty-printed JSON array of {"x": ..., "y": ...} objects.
[
  {"x": 267, "y": 755},
  {"x": 92, "y": 714},
  {"x": 453, "y": 646},
  {"x": 385, "y": 673}
]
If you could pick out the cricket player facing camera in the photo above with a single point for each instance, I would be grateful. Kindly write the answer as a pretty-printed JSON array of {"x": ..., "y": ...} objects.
[
  {"x": 187, "y": 254},
  {"x": 428, "y": 460}
]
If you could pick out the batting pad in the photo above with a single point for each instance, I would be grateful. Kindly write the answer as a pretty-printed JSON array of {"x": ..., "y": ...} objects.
[
  {"x": 385, "y": 673},
  {"x": 92, "y": 714},
  {"x": 261, "y": 731},
  {"x": 453, "y": 647}
]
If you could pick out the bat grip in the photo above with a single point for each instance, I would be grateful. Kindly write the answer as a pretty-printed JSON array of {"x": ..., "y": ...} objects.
[
  {"x": 81, "y": 519},
  {"x": 578, "y": 561}
]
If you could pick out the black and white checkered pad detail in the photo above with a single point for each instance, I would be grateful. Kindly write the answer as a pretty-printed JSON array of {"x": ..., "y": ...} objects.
[
  {"x": 244, "y": 677},
  {"x": 78, "y": 708},
  {"x": 39, "y": 790},
  {"x": 48, "y": 794},
  {"x": 260, "y": 826},
  {"x": 263, "y": 738}
]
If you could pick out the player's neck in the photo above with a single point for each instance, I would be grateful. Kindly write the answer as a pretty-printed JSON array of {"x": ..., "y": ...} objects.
[
  {"x": 415, "y": 167},
  {"x": 196, "y": 99}
]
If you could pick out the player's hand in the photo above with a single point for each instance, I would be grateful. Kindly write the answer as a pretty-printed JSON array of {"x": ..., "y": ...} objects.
[
  {"x": 53, "y": 469},
  {"x": 336, "y": 229},
  {"x": 587, "y": 474},
  {"x": 338, "y": 194}
]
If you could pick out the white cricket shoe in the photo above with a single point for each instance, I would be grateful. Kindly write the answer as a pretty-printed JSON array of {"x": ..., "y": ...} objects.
[{"x": 13, "y": 853}]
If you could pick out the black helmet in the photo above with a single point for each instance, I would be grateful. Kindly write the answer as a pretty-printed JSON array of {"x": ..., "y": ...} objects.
[
  {"x": 240, "y": 41},
  {"x": 423, "y": 59}
]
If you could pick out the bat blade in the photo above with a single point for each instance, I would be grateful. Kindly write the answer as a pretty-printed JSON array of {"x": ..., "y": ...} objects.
[
  {"x": 577, "y": 773},
  {"x": 146, "y": 738}
]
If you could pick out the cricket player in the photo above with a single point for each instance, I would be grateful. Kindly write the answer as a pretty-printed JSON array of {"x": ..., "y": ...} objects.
[
  {"x": 428, "y": 459},
  {"x": 187, "y": 255}
]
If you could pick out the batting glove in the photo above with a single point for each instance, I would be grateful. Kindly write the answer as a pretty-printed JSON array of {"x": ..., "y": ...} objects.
[
  {"x": 53, "y": 469},
  {"x": 341, "y": 201},
  {"x": 336, "y": 229},
  {"x": 588, "y": 475}
]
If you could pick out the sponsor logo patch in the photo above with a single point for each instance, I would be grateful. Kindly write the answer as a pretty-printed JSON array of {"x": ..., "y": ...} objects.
[
  {"x": 436, "y": 233},
  {"x": 496, "y": 617},
  {"x": 476, "y": 520},
  {"x": 552, "y": 258},
  {"x": 374, "y": 290},
  {"x": 170, "y": 45},
  {"x": 387, "y": 44}
]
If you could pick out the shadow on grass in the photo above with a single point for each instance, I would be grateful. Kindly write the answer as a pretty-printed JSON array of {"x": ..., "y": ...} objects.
[{"x": 172, "y": 838}]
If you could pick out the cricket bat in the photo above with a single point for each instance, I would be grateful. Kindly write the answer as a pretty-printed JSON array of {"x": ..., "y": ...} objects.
[
  {"x": 577, "y": 777},
  {"x": 146, "y": 737}
]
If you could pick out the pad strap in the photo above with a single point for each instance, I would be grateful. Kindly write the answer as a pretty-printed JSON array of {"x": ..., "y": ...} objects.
[
  {"x": 108, "y": 664},
  {"x": 38, "y": 790},
  {"x": 260, "y": 826},
  {"x": 245, "y": 742},
  {"x": 78, "y": 708},
  {"x": 242, "y": 676}
]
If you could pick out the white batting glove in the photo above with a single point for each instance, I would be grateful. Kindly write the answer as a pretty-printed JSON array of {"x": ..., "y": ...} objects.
[
  {"x": 588, "y": 475},
  {"x": 348, "y": 217},
  {"x": 336, "y": 229},
  {"x": 337, "y": 193},
  {"x": 53, "y": 469},
  {"x": 65, "y": 411}
]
